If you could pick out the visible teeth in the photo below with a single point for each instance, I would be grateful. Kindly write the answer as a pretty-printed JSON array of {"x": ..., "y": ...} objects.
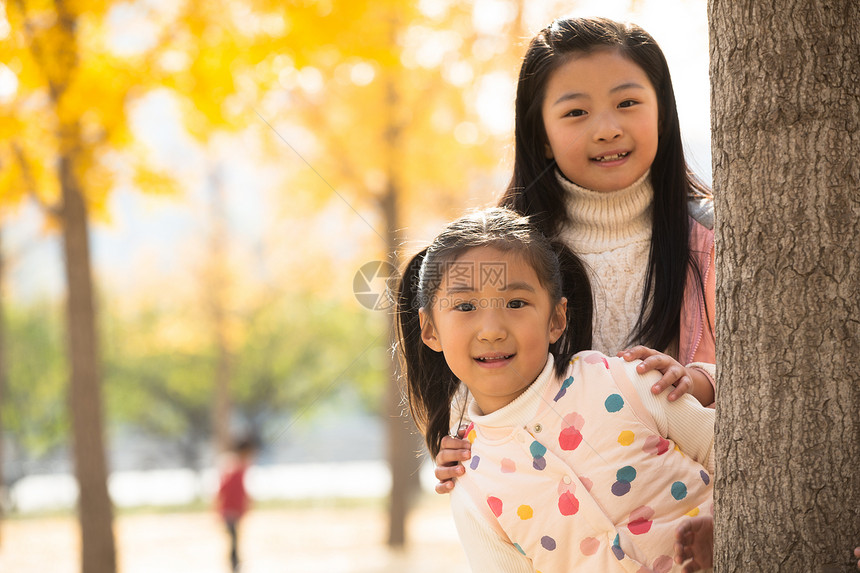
[
  {"x": 611, "y": 157},
  {"x": 496, "y": 358}
]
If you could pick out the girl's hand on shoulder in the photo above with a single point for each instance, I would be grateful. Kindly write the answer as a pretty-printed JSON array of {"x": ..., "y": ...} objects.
[
  {"x": 452, "y": 452},
  {"x": 674, "y": 374}
]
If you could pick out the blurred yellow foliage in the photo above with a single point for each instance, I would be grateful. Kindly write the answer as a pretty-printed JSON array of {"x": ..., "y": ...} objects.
[{"x": 71, "y": 100}]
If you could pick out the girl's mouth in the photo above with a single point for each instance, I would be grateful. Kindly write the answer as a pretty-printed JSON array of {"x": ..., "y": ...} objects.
[
  {"x": 613, "y": 157},
  {"x": 494, "y": 359}
]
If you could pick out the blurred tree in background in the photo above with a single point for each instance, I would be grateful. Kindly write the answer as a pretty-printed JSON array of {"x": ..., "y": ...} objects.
[
  {"x": 389, "y": 115},
  {"x": 56, "y": 149}
]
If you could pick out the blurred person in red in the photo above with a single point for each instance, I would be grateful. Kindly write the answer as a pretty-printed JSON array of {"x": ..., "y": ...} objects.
[{"x": 232, "y": 500}]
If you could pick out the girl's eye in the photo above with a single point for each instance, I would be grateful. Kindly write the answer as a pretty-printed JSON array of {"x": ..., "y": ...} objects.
[
  {"x": 627, "y": 103},
  {"x": 575, "y": 113},
  {"x": 517, "y": 304},
  {"x": 464, "y": 306}
]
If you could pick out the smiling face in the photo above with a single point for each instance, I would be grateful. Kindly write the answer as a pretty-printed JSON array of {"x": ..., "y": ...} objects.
[
  {"x": 601, "y": 118},
  {"x": 494, "y": 322}
]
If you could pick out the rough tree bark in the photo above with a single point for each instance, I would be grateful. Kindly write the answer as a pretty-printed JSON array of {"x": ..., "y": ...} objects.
[{"x": 785, "y": 103}]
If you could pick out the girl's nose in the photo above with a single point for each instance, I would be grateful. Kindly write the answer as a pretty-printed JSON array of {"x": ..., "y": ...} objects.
[
  {"x": 492, "y": 327},
  {"x": 607, "y": 128}
]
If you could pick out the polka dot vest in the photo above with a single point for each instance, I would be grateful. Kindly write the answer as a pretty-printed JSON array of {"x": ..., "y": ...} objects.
[{"x": 588, "y": 484}]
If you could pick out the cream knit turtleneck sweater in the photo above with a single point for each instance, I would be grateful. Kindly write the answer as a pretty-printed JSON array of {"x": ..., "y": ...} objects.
[{"x": 611, "y": 233}]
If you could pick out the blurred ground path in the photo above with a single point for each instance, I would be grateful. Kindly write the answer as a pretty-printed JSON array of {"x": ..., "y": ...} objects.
[{"x": 293, "y": 540}]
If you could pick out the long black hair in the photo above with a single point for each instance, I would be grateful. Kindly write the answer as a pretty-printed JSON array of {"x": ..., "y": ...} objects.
[
  {"x": 534, "y": 189},
  {"x": 430, "y": 383}
]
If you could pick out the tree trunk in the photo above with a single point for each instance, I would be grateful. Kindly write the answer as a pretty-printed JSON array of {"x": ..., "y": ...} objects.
[
  {"x": 403, "y": 445},
  {"x": 786, "y": 129},
  {"x": 94, "y": 505}
]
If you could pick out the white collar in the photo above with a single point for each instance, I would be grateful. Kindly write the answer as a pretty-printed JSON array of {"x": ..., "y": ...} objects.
[
  {"x": 600, "y": 220},
  {"x": 523, "y": 408}
]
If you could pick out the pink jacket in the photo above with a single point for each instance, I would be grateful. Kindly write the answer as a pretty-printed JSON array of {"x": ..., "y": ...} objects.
[{"x": 697, "y": 342}]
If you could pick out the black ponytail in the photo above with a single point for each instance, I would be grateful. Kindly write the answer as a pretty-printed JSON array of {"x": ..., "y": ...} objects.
[
  {"x": 430, "y": 384},
  {"x": 580, "y": 307}
]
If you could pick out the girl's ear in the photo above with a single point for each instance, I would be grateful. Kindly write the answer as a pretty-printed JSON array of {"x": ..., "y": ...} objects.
[
  {"x": 558, "y": 321},
  {"x": 428, "y": 331},
  {"x": 548, "y": 151}
]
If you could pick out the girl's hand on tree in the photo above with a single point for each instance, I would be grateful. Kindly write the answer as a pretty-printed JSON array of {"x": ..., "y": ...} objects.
[
  {"x": 857, "y": 554},
  {"x": 674, "y": 374},
  {"x": 452, "y": 451},
  {"x": 694, "y": 544}
]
